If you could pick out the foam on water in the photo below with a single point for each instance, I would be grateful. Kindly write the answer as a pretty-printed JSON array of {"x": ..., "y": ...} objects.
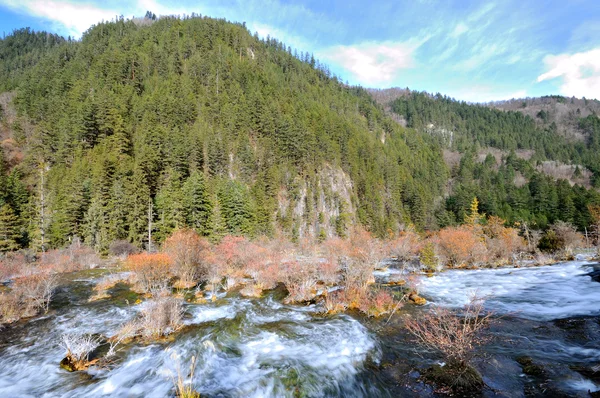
[
  {"x": 539, "y": 293},
  {"x": 243, "y": 348}
]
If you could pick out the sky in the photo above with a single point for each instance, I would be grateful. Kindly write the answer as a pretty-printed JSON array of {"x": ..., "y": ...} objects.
[{"x": 476, "y": 51}]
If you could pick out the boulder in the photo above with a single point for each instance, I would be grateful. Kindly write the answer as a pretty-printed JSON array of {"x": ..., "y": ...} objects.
[{"x": 416, "y": 299}]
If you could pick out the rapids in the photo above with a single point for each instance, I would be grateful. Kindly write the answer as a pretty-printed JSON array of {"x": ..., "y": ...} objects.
[{"x": 263, "y": 348}]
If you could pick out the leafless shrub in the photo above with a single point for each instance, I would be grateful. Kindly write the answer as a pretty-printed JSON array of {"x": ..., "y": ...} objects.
[
  {"x": 162, "y": 316},
  {"x": 454, "y": 335},
  {"x": 568, "y": 236},
  {"x": 122, "y": 248},
  {"x": 159, "y": 317},
  {"x": 328, "y": 272},
  {"x": 404, "y": 247},
  {"x": 79, "y": 347},
  {"x": 11, "y": 264},
  {"x": 36, "y": 291},
  {"x": 186, "y": 248},
  {"x": 11, "y": 307},
  {"x": 300, "y": 281}
]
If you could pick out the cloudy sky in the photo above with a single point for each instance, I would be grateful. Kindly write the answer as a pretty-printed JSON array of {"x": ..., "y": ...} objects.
[{"x": 472, "y": 50}]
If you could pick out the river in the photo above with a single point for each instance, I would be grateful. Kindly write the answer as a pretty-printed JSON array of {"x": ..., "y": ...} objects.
[{"x": 263, "y": 348}]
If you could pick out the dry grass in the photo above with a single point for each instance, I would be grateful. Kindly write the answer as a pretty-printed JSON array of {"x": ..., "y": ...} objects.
[
  {"x": 159, "y": 317},
  {"x": 183, "y": 388},
  {"x": 108, "y": 282}
]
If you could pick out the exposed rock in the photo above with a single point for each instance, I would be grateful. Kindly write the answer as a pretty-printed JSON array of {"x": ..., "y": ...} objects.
[
  {"x": 530, "y": 368},
  {"x": 460, "y": 379},
  {"x": 397, "y": 282},
  {"x": 416, "y": 299},
  {"x": 251, "y": 290},
  {"x": 71, "y": 365}
]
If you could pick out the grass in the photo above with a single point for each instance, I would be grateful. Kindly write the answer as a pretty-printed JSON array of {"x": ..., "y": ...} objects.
[{"x": 182, "y": 388}]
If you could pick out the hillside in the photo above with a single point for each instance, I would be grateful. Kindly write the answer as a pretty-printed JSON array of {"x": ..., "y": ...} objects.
[
  {"x": 522, "y": 168},
  {"x": 196, "y": 123}
]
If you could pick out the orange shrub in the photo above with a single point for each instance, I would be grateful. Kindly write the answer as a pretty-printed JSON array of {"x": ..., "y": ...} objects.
[
  {"x": 460, "y": 246},
  {"x": 152, "y": 270},
  {"x": 186, "y": 248}
]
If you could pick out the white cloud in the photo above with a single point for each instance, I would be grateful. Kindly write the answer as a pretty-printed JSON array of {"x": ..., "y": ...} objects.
[
  {"x": 75, "y": 17},
  {"x": 459, "y": 30},
  {"x": 373, "y": 63},
  {"x": 580, "y": 73},
  {"x": 264, "y": 30}
]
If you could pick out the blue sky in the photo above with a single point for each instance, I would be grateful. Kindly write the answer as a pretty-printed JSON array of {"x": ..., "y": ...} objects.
[{"x": 472, "y": 50}]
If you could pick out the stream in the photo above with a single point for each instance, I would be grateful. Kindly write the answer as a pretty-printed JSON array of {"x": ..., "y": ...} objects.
[{"x": 263, "y": 348}]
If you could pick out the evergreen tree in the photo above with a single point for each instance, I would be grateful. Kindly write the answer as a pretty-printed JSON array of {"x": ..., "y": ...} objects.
[{"x": 8, "y": 229}]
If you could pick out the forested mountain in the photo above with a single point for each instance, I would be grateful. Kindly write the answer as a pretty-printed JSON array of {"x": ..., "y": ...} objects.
[
  {"x": 145, "y": 125},
  {"x": 520, "y": 167}
]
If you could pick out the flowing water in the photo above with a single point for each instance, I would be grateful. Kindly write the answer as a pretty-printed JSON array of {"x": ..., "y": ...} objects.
[{"x": 263, "y": 348}]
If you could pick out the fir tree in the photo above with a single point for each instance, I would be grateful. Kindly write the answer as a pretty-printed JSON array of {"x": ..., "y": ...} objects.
[{"x": 9, "y": 234}]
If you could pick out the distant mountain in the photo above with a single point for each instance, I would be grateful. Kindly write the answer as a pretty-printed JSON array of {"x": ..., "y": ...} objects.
[{"x": 524, "y": 159}]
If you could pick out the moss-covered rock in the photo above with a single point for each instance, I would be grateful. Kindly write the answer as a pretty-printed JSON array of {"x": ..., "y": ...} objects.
[
  {"x": 529, "y": 367},
  {"x": 458, "y": 378}
]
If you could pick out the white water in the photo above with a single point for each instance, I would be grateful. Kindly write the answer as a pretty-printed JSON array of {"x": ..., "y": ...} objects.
[
  {"x": 262, "y": 348},
  {"x": 244, "y": 348},
  {"x": 538, "y": 293}
]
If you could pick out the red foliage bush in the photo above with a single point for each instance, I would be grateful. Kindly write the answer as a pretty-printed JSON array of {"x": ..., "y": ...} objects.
[{"x": 377, "y": 303}]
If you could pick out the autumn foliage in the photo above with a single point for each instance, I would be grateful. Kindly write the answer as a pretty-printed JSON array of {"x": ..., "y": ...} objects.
[
  {"x": 459, "y": 246},
  {"x": 152, "y": 270}
]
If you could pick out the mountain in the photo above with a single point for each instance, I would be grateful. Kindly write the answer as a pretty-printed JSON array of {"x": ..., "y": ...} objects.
[
  {"x": 535, "y": 160},
  {"x": 148, "y": 125}
]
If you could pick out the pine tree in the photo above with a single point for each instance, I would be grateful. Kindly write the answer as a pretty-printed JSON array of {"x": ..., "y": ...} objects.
[
  {"x": 8, "y": 229},
  {"x": 197, "y": 204}
]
